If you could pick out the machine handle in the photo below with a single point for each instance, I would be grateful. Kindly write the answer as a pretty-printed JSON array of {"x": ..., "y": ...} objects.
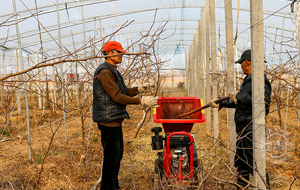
[{"x": 201, "y": 108}]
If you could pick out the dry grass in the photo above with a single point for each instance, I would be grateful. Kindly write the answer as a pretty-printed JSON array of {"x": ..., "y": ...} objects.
[{"x": 63, "y": 167}]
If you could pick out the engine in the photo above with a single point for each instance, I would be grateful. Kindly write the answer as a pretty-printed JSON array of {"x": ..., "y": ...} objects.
[{"x": 176, "y": 154}]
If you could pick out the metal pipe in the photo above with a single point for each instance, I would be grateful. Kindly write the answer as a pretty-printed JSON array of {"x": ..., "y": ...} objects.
[
  {"x": 62, "y": 70},
  {"x": 54, "y": 87},
  {"x": 179, "y": 6},
  {"x": 84, "y": 43},
  {"x": 24, "y": 78},
  {"x": 17, "y": 69},
  {"x": 68, "y": 25}
]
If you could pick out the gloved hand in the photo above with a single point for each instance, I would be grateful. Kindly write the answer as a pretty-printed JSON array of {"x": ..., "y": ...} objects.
[
  {"x": 145, "y": 87},
  {"x": 232, "y": 97},
  {"x": 149, "y": 101},
  {"x": 213, "y": 104}
]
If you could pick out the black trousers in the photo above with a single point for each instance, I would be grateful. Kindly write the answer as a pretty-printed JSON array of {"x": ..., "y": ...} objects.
[
  {"x": 113, "y": 148},
  {"x": 243, "y": 160}
]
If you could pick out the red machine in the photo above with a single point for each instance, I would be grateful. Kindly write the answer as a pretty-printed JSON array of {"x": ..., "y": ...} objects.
[{"x": 179, "y": 160}]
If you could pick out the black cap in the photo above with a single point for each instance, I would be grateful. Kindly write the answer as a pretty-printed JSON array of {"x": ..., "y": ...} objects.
[{"x": 245, "y": 56}]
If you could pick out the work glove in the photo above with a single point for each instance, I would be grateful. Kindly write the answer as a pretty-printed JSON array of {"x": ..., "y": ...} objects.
[
  {"x": 145, "y": 87},
  {"x": 213, "y": 104},
  {"x": 149, "y": 101},
  {"x": 232, "y": 97}
]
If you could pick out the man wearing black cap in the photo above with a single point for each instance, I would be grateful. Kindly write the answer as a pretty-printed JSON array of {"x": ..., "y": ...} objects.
[
  {"x": 242, "y": 102},
  {"x": 109, "y": 110}
]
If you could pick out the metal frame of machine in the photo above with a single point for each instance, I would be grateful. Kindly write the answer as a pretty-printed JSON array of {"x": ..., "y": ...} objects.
[{"x": 179, "y": 159}]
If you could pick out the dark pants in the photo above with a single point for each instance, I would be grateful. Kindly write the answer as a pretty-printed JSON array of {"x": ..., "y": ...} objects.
[
  {"x": 112, "y": 143},
  {"x": 243, "y": 160}
]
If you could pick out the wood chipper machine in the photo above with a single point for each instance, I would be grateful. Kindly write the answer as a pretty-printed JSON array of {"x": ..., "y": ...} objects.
[{"x": 179, "y": 160}]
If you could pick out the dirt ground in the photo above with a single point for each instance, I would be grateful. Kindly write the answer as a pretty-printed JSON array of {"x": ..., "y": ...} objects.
[{"x": 66, "y": 167}]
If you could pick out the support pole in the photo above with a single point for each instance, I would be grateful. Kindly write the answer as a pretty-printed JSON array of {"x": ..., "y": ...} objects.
[
  {"x": 198, "y": 64},
  {"x": 62, "y": 70},
  {"x": 186, "y": 70},
  {"x": 197, "y": 61},
  {"x": 76, "y": 78},
  {"x": 2, "y": 66},
  {"x": 39, "y": 87},
  {"x": 84, "y": 43},
  {"x": 172, "y": 78},
  {"x": 193, "y": 68},
  {"x": 230, "y": 76},
  {"x": 190, "y": 70},
  {"x": 298, "y": 35},
  {"x": 17, "y": 69},
  {"x": 214, "y": 66},
  {"x": 202, "y": 54},
  {"x": 24, "y": 78},
  {"x": 207, "y": 55},
  {"x": 54, "y": 86},
  {"x": 236, "y": 70},
  {"x": 258, "y": 103}
]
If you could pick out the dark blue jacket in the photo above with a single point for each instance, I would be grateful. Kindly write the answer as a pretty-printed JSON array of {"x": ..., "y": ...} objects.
[{"x": 243, "y": 112}]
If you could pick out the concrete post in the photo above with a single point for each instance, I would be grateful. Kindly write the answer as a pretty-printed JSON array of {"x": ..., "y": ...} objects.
[
  {"x": 197, "y": 61},
  {"x": 298, "y": 35},
  {"x": 214, "y": 66},
  {"x": 207, "y": 55},
  {"x": 198, "y": 66},
  {"x": 172, "y": 78},
  {"x": 230, "y": 76},
  {"x": 186, "y": 70},
  {"x": 190, "y": 70},
  {"x": 258, "y": 103},
  {"x": 235, "y": 70},
  {"x": 193, "y": 68},
  {"x": 202, "y": 55},
  {"x": 39, "y": 87}
]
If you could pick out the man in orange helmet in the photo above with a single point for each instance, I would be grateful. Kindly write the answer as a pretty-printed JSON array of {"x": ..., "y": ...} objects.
[{"x": 109, "y": 110}]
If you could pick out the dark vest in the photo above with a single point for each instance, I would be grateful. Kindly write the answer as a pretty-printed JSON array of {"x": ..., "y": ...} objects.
[{"x": 105, "y": 110}]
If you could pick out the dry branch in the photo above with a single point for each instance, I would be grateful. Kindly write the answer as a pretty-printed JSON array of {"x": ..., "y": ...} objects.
[
  {"x": 46, "y": 154},
  {"x": 61, "y": 61},
  {"x": 227, "y": 181},
  {"x": 296, "y": 176}
]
